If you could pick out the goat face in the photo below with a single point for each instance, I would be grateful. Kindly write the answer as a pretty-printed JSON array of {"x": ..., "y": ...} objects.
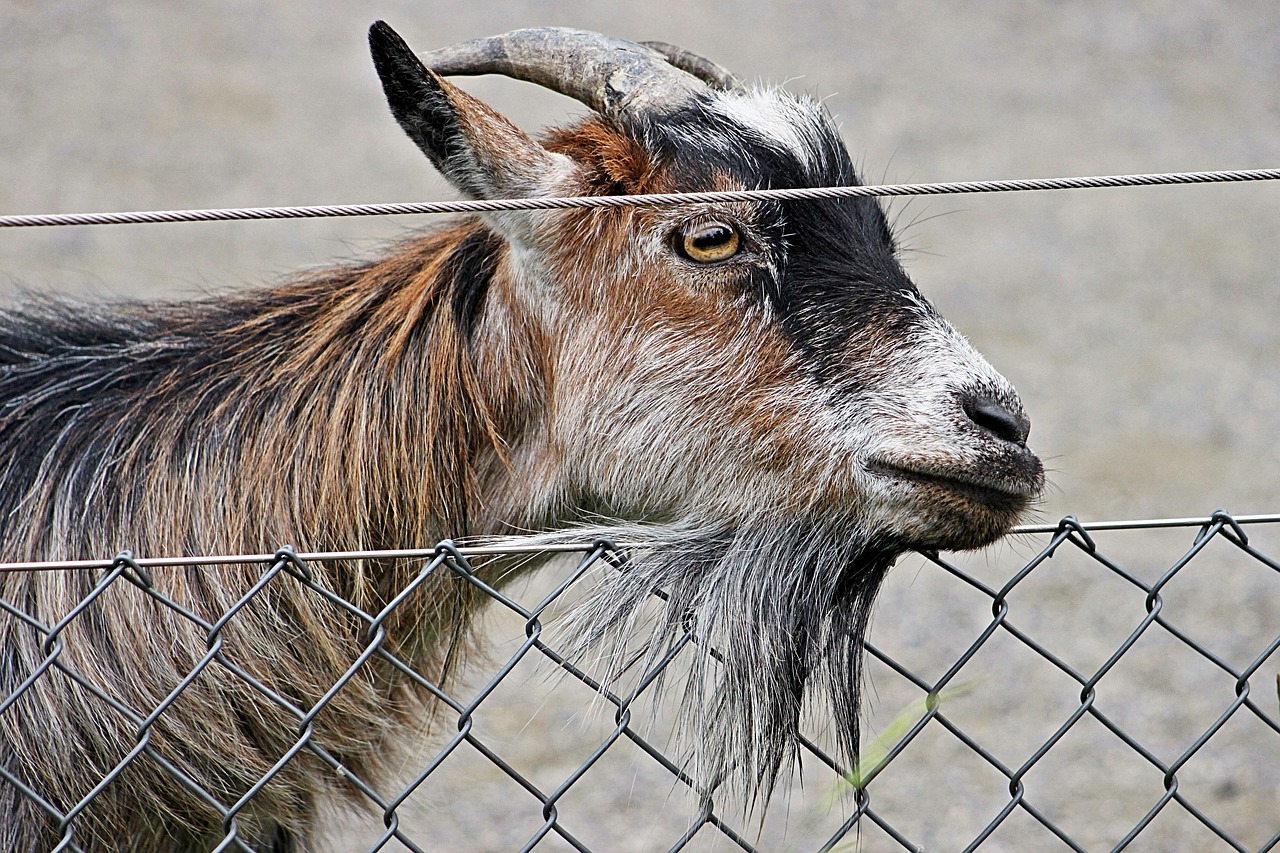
[
  {"x": 760, "y": 381},
  {"x": 729, "y": 361}
]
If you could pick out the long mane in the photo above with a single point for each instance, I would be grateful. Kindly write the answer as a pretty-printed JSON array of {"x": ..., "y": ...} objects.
[{"x": 243, "y": 418}]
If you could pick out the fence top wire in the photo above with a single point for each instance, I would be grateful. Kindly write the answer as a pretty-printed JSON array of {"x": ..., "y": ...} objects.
[
  {"x": 664, "y": 199},
  {"x": 515, "y": 547}
]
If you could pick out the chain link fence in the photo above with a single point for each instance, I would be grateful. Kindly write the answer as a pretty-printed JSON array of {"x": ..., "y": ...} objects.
[{"x": 1111, "y": 687}]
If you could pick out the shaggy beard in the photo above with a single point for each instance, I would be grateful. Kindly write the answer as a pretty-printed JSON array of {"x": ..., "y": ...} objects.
[{"x": 779, "y": 611}]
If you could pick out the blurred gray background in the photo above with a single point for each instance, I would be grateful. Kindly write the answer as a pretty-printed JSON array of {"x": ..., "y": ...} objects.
[{"x": 1140, "y": 325}]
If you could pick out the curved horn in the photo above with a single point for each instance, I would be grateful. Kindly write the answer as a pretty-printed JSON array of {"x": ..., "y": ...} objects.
[
  {"x": 713, "y": 74},
  {"x": 612, "y": 76}
]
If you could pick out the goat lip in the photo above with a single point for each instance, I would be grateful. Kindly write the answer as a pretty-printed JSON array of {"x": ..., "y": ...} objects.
[{"x": 983, "y": 490}]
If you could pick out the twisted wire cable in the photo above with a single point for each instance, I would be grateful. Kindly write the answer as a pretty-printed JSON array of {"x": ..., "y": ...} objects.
[{"x": 664, "y": 199}]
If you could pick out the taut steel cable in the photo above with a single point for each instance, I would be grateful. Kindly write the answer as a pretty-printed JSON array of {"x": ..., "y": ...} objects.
[{"x": 666, "y": 199}]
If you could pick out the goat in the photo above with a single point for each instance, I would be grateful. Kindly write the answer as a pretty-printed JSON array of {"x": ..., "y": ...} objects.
[{"x": 759, "y": 384}]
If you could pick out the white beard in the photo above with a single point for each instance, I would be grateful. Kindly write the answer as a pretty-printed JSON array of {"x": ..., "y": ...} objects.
[{"x": 779, "y": 610}]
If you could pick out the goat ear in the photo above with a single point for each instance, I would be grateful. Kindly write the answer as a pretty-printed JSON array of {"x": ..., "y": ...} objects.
[{"x": 476, "y": 149}]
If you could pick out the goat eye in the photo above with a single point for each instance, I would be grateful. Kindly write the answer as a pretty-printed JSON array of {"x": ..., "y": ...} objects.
[{"x": 708, "y": 242}]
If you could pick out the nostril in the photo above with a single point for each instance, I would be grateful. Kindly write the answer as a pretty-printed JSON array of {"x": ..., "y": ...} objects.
[{"x": 996, "y": 418}]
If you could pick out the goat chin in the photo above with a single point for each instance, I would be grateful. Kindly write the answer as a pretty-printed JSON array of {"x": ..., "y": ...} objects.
[{"x": 779, "y": 609}]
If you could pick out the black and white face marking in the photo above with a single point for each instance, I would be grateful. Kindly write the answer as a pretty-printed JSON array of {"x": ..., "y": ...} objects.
[
  {"x": 831, "y": 270},
  {"x": 922, "y": 416}
]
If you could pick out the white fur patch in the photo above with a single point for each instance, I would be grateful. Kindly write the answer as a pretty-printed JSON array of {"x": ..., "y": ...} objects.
[{"x": 779, "y": 118}]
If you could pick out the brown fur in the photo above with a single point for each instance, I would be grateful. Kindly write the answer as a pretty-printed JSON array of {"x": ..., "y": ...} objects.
[{"x": 375, "y": 426}]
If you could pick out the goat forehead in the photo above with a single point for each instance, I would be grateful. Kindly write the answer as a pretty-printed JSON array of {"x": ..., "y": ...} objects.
[
  {"x": 798, "y": 126},
  {"x": 760, "y": 138}
]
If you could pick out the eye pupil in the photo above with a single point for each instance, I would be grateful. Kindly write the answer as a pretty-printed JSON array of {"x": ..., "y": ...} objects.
[
  {"x": 712, "y": 237},
  {"x": 709, "y": 242}
]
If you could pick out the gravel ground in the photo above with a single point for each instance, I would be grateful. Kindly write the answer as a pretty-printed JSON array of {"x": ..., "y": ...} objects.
[{"x": 1140, "y": 326}]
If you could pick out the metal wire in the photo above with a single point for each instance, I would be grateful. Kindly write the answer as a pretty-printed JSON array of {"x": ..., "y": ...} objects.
[
  {"x": 876, "y": 818},
  {"x": 515, "y": 547},
  {"x": 663, "y": 199}
]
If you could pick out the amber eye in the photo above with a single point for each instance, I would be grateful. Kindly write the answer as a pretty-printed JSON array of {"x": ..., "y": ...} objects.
[{"x": 708, "y": 242}]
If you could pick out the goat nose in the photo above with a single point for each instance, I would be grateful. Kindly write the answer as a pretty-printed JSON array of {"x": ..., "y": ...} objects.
[{"x": 998, "y": 419}]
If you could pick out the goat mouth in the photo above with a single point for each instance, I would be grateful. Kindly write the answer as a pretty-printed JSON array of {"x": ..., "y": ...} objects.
[{"x": 987, "y": 491}]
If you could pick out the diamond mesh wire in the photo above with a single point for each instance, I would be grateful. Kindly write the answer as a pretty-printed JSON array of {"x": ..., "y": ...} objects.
[{"x": 1078, "y": 689}]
